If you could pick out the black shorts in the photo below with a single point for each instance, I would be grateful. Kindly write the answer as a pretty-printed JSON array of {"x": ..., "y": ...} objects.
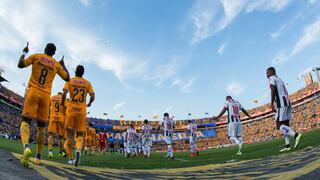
[
  {"x": 111, "y": 146},
  {"x": 279, "y": 123}
]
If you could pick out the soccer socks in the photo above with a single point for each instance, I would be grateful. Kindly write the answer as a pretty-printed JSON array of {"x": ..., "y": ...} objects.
[
  {"x": 170, "y": 150},
  {"x": 50, "y": 142},
  {"x": 287, "y": 141},
  {"x": 25, "y": 133},
  {"x": 61, "y": 144},
  {"x": 79, "y": 143},
  {"x": 40, "y": 139},
  {"x": 148, "y": 150},
  {"x": 68, "y": 145}
]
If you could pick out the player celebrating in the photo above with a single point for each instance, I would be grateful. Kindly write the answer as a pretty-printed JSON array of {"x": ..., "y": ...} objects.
[
  {"x": 78, "y": 87},
  {"x": 56, "y": 124},
  {"x": 90, "y": 139},
  {"x": 279, "y": 95},
  {"x": 234, "y": 124},
  {"x": 192, "y": 128},
  {"x": 146, "y": 138},
  {"x": 37, "y": 98},
  {"x": 168, "y": 128}
]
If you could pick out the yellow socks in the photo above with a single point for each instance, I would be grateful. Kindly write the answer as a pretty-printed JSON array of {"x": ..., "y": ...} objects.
[
  {"x": 79, "y": 142},
  {"x": 40, "y": 139},
  {"x": 50, "y": 142},
  {"x": 25, "y": 133},
  {"x": 69, "y": 148},
  {"x": 61, "y": 144}
]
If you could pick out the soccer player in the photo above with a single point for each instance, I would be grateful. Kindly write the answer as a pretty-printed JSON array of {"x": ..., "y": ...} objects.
[
  {"x": 111, "y": 144},
  {"x": 103, "y": 141},
  {"x": 131, "y": 133},
  {"x": 192, "y": 130},
  {"x": 233, "y": 108},
  {"x": 124, "y": 136},
  {"x": 280, "y": 97},
  {"x": 78, "y": 87},
  {"x": 90, "y": 139},
  {"x": 146, "y": 138},
  {"x": 168, "y": 128},
  {"x": 37, "y": 98},
  {"x": 56, "y": 124}
]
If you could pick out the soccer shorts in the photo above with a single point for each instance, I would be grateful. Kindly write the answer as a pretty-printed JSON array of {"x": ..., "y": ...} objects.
[
  {"x": 125, "y": 145},
  {"x": 56, "y": 127},
  {"x": 283, "y": 113},
  {"x": 88, "y": 141},
  {"x": 234, "y": 129},
  {"x": 36, "y": 105},
  {"x": 147, "y": 142},
  {"x": 168, "y": 139},
  {"x": 76, "y": 121},
  {"x": 192, "y": 140}
]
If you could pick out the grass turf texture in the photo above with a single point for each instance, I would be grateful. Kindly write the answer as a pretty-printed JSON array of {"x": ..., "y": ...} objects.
[{"x": 183, "y": 159}]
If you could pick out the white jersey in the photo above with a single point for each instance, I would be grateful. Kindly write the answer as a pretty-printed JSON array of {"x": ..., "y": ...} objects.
[
  {"x": 282, "y": 97},
  {"x": 124, "y": 135},
  {"x": 233, "y": 109},
  {"x": 146, "y": 130},
  {"x": 131, "y": 133},
  {"x": 167, "y": 126},
  {"x": 192, "y": 127}
]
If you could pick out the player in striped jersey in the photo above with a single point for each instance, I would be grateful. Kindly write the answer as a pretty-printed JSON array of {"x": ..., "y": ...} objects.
[
  {"x": 192, "y": 131},
  {"x": 168, "y": 130},
  {"x": 146, "y": 138},
  {"x": 280, "y": 98},
  {"x": 233, "y": 108},
  {"x": 131, "y": 133}
]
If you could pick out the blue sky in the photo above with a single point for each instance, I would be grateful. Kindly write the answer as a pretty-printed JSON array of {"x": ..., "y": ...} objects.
[{"x": 146, "y": 57}]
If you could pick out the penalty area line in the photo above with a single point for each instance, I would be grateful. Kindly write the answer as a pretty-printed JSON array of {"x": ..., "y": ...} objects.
[{"x": 183, "y": 160}]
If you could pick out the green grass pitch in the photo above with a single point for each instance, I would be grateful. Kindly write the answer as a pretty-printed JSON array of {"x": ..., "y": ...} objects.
[{"x": 182, "y": 159}]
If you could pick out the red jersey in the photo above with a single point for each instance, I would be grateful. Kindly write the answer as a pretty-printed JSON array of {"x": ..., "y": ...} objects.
[{"x": 103, "y": 137}]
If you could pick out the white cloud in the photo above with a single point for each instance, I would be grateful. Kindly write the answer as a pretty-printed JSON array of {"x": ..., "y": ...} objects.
[
  {"x": 185, "y": 85},
  {"x": 222, "y": 48},
  {"x": 85, "y": 2},
  {"x": 236, "y": 88},
  {"x": 118, "y": 105},
  {"x": 209, "y": 17},
  {"x": 279, "y": 58}
]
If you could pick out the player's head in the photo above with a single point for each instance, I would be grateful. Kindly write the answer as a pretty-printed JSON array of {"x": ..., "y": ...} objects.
[
  {"x": 228, "y": 98},
  {"x": 189, "y": 122},
  {"x": 60, "y": 93},
  {"x": 271, "y": 71},
  {"x": 79, "y": 71},
  {"x": 50, "y": 49},
  {"x": 145, "y": 121},
  {"x": 166, "y": 115},
  {"x": 90, "y": 124},
  {"x": 132, "y": 126}
]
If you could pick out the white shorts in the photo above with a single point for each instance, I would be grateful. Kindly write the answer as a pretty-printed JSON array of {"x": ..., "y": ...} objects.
[
  {"x": 125, "y": 145},
  {"x": 168, "y": 139},
  {"x": 283, "y": 113},
  {"x": 192, "y": 140},
  {"x": 234, "y": 129},
  {"x": 147, "y": 142}
]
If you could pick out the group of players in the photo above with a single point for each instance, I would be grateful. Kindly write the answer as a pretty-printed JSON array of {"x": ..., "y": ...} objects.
[{"x": 70, "y": 114}]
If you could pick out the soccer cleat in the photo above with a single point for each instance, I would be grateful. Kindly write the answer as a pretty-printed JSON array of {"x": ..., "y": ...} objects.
[
  {"x": 50, "y": 155},
  {"x": 285, "y": 149},
  {"x": 77, "y": 160},
  {"x": 168, "y": 157},
  {"x": 26, "y": 157},
  {"x": 37, "y": 160},
  {"x": 71, "y": 162},
  {"x": 297, "y": 140},
  {"x": 239, "y": 153},
  {"x": 172, "y": 157}
]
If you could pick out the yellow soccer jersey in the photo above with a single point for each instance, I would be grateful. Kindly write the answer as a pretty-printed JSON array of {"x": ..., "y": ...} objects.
[
  {"x": 44, "y": 70},
  {"x": 78, "y": 88},
  {"x": 56, "y": 109}
]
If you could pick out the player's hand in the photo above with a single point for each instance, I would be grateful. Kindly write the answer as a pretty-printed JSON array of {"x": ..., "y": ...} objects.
[
  {"x": 62, "y": 61},
  {"x": 273, "y": 109},
  {"x": 26, "y": 49},
  {"x": 88, "y": 105}
]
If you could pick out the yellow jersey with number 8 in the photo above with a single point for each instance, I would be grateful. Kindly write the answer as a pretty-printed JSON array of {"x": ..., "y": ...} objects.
[{"x": 44, "y": 70}]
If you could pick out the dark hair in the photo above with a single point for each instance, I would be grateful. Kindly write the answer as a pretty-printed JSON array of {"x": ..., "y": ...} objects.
[
  {"x": 60, "y": 93},
  {"x": 228, "y": 97},
  {"x": 166, "y": 115},
  {"x": 50, "y": 49},
  {"x": 189, "y": 121},
  {"x": 79, "y": 71},
  {"x": 146, "y": 121},
  {"x": 272, "y": 69}
]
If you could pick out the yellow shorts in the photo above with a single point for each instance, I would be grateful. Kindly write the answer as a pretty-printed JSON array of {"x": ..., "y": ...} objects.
[
  {"x": 88, "y": 141},
  {"x": 76, "y": 121},
  {"x": 36, "y": 105},
  {"x": 56, "y": 127}
]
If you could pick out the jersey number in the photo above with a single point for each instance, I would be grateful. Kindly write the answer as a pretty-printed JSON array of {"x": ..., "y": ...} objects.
[
  {"x": 235, "y": 110},
  {"x": 43, "y": 76},
  {"x": 76, "y": 92},
  {"x": 56, "y": 105}
]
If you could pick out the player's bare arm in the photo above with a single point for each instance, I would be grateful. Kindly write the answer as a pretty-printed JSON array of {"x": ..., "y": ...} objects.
[
  {"x": 246, "y": 113},
  {"x": 92, "y": 97},
  {"x": 65, "y": 69},
  {"x": 273, "y": 96},
  {"x": 22, "y": 57},
  {"x": 64, "y": 95},
  {"x": 216, "y": 118}
]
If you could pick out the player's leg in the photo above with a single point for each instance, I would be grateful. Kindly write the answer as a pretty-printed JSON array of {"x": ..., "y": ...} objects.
[
  {"x": 149, "y": 145},
  {"x": 171, "y": 147},
  {"x": 61, "y": 139},
  {"x": 81, "y": 129},
  {"x": 25, "y": 135},
  {"x": 50, "y": 145},
  {"x": 40, "y": 140},
  {"x": 69, "y": 126},
  {"x": 239, "y": 136},
  {"x": 191, "y": 146}
]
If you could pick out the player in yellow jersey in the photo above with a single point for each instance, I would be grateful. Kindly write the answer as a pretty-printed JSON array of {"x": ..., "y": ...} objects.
[
  {"x": 37, "y": 98},
  {"x": 56, "y": 125},
  {"x": 78, "y": 88},
  {"x": 90, "y": 139}
]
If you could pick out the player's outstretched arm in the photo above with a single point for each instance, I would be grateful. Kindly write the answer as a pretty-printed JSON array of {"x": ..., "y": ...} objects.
[
  {"x": 92, "y": 97},
  {"x": 246, "y": 113},
  {"x": 67, "y": 79},
  {"x": 221, "y": 114},
  {"x": 24, "y": 53}
]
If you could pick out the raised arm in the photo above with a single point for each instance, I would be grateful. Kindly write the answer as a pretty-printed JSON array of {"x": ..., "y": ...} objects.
[
  {"x": 67, "y": 78},
  {"x": 24, "y": 53}
]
